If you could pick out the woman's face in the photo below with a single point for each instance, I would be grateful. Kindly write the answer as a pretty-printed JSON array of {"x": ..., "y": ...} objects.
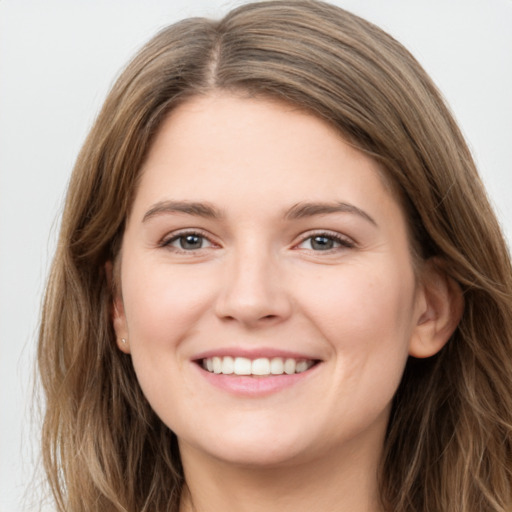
[{"x": 261, "y": 243}]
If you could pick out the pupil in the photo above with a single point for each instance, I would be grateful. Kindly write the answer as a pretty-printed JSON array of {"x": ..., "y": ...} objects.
[
  {"x": 191, "y": 242},
  {"x": 322, "y": 243}
]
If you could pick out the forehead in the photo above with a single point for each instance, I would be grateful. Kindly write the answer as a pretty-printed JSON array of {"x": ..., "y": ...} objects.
[{"x": 255, "y": 146}]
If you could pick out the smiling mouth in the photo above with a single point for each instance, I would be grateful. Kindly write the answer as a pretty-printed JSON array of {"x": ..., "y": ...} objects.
[{"x": 259, "y": 367}]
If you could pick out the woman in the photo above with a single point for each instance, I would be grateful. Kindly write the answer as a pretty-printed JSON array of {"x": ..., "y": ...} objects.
[{"x": 279, "y": 283}]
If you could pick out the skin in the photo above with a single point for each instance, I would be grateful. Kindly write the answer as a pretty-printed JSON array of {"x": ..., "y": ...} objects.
[{"x": 256, "y": 279}]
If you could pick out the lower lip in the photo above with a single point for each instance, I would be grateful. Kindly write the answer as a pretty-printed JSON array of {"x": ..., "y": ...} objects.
[{"x": 255, "y": 386}]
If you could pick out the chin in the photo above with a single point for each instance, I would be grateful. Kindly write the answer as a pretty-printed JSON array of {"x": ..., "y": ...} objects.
[
  {"x": 258, "y": 458},
  {"x": 253, "y": 449}
]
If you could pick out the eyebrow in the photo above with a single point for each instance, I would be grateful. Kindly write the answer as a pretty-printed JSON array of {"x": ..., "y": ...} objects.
[
  {"x": 191, "y": 208},
  {"x": 303, "y": 210},
  {"x": 298, "y": 211}
]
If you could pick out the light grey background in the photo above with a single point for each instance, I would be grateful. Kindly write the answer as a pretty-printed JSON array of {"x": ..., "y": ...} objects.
[{"x": 57, "y": 61}]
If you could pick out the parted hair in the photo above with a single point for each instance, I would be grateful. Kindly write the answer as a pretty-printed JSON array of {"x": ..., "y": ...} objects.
[{"x": 448, "y": 446}]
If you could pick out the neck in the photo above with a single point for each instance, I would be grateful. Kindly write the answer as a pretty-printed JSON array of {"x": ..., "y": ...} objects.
[{"x": 337, "y": 483}]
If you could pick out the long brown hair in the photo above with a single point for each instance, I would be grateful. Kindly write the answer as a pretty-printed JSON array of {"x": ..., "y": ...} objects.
[{"x": 449, "y": 441}]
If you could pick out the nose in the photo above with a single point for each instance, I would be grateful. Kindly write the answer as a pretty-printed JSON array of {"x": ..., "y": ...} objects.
[{"x": 252, "y": 291}]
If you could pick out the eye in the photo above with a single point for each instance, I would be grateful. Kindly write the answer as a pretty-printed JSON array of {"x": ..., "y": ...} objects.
[
  {"x": 187, "y": 242},
  {"x": 325, "y": 242}
]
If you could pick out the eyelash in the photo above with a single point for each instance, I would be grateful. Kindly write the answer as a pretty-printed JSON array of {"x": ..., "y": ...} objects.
[
  {"x": 166, "y": 242},
  {"x": 342, "y": 241}
]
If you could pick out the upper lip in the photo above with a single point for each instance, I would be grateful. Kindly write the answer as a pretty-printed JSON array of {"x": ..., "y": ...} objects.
[{"x": 253, "y": 353}]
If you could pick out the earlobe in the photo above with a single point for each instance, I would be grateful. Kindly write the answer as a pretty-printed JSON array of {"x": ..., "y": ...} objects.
[
  {"x": 117, "y": 313},
  {"x": 441, "y": 308},
  {"x": 119, "y": 322}
]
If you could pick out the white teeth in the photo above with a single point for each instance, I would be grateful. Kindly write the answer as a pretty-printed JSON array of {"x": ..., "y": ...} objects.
[
  {"x": 289, "y": 366},
  {"x": 301, "y": 366},
  {"x": 243, "y": 366},
  {"x": 262, "y": 366},
  {"x": 228, "y": 365},
  {"x": 276, "y": 366},
  {"x": 217, "y": 365}
]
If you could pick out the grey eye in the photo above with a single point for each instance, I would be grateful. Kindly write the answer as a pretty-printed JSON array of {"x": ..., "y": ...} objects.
[
  {"x": 191, "y": 242},
  {"x": 325, "y": 242},
  {"x": 322, "y": 243},
  {"x": 188, "y": 242}
]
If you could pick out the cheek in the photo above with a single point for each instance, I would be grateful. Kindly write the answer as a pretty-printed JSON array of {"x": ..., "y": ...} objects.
[
  {"x": 366, "y": 317},
  {"x": 163, "y": 307},
  {"x": 163, "y": 304},
  {"x": 360, "y": 301}
]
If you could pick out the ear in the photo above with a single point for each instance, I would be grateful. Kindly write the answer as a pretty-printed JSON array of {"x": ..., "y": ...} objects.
[
  {"x": 117, "y": 310},
  {"x": 440, "y": 308}
]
